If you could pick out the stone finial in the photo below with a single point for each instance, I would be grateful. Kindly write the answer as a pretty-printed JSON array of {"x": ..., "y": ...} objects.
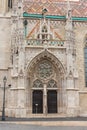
[
  {"x": 69, "y": 11},
  {"x": 69, "y": 16}
]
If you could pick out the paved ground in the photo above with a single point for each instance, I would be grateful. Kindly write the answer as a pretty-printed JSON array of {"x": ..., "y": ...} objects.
[
  {"x": 76, "y": 123},
  {"x": 6, "y": 126}
]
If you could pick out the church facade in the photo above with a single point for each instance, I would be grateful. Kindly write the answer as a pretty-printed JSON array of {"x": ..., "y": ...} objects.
[{"x": 43, "y": 54}]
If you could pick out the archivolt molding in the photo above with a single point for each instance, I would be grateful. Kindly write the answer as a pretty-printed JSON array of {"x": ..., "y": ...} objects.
[{"x": 45, "y": 55}]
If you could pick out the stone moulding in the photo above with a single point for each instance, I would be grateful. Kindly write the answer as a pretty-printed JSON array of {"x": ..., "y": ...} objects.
[
  {"x": 36, "y": 42},
  {"x": 83, "y": 19},
  {"x": 83, "y": 91}
]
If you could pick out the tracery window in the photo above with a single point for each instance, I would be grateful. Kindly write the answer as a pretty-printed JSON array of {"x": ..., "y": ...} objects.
[
  {"x": 85, "y": 60},
  {"x": 44, "y": 70},
  {"x": 52, "y": 84},
  {"x": 37, "y": 84}
]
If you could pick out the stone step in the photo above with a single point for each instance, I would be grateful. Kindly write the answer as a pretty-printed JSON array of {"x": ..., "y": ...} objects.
[
  {"x": 48, "y": 123},
  {"x": 45, "y": 115}
]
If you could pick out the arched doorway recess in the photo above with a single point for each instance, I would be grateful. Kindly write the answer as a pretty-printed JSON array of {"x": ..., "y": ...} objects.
[{"x": 46, "y": 87}]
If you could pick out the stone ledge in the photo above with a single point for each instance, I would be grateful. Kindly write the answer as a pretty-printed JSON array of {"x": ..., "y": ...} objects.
[
  {"x": 18, "y": 88},
  {"x": 83, "y": 91},
  {"x": 72, "y": 89}
]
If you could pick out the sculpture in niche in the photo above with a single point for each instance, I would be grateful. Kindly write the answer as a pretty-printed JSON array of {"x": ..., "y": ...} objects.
[{"x": 45, "y": 69}]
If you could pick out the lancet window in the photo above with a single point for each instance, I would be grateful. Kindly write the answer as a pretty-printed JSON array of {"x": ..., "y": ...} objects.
[{"x": 10, "y": 3}]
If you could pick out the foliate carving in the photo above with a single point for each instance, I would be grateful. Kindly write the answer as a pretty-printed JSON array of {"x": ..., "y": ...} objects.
[
  {"x": 39, "y": 42},
  {"x": 14, "y": 20},
  {"x": 45, "y": 69}
]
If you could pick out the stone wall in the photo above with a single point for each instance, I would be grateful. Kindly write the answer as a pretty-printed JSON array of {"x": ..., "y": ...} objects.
[
  {"x": 12, "y": 95},
  {"x": 5, "y": 42},
  {"x": 83, "y": 103},
  {"x": 80, "y": 33}
]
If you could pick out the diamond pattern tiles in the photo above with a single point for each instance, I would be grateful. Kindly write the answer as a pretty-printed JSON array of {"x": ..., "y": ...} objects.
[{"x": 56, "y": 7}]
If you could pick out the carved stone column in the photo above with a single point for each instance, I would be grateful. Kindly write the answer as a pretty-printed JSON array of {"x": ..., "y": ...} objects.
[
  {"x": 28, "y": 96},
  {"x": 45, "y": 100}
]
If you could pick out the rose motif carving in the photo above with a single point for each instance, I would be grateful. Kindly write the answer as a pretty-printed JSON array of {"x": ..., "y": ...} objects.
[{"x": 45, "y": 69}]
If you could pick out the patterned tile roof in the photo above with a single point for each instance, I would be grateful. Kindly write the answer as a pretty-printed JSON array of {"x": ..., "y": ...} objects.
[{"x": 56, "y": 7}]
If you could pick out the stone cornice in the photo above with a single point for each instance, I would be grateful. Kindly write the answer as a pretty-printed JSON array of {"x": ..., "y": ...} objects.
[
  {"x": 38, "y": 16},
  {"x": 17, "y": 88}
]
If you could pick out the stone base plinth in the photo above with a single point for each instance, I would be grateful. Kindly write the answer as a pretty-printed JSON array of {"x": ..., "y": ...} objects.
[
  {"x": 17, "y": 112},
  {"x": 72, "y": 112}
]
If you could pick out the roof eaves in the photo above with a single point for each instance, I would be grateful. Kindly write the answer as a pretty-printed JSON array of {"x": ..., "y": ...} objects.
[{"x": 74, "y": 18}]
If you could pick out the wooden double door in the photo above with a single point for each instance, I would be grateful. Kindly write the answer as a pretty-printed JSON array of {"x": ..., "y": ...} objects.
[{"x": 38, "y": 101}]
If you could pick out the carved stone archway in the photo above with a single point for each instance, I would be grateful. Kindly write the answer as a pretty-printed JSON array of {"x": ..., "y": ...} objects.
[
  {"x": 47, "y": 55},
  {"x": 46, "y": 73}
]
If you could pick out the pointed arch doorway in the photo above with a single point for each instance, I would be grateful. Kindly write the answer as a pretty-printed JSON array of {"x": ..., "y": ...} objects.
[
  {"x": 44, "y": 97},
  {"x": 45, "y": 85},
  {"x": 37, "y": 104}
]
